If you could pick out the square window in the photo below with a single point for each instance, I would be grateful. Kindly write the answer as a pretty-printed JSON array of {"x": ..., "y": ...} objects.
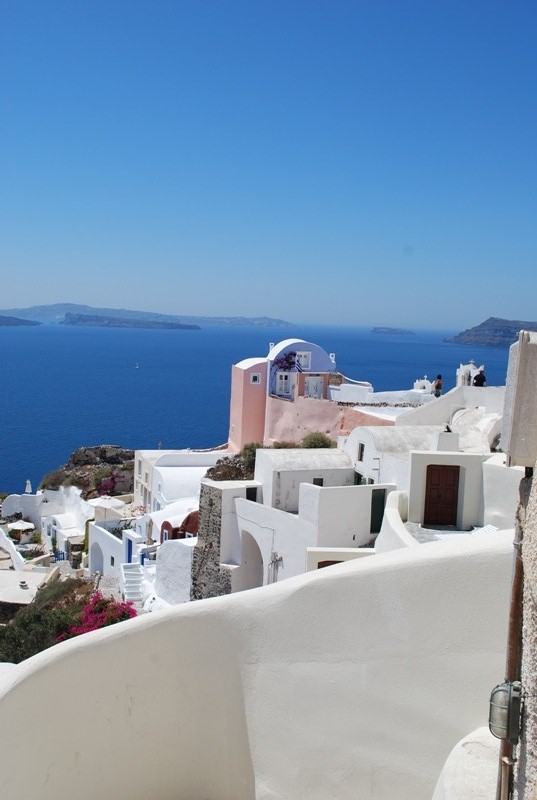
[
  {"x": 303, "y": 359},
  {"x": 255, "y": 377}
]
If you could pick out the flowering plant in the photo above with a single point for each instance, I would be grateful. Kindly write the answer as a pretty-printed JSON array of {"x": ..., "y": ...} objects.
[
  {"x": 98, "y": 613},
  {"x": 285, "y": 362}
]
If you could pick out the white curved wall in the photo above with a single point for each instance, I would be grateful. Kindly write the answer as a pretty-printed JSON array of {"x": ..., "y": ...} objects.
[
  {"x": 353, "y": 682},
  {"x": 471, "y": 769},
  {"x": 393, "y": 534}
]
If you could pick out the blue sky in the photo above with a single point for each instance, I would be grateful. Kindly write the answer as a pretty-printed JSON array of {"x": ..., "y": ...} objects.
[{"x": 368, "y": 163}]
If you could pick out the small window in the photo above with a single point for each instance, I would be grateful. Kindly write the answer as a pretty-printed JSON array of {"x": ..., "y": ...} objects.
[
  {"x": 328, "y": 563},
  {"x": 255, "y": 377},
  {"x": 361, "y": 448},
  {"x": 318, "y": 481},
  {"x": 251, "y": 493},
  {"x": 303, "y": 359},
  {"x": 112, "y": 562}
]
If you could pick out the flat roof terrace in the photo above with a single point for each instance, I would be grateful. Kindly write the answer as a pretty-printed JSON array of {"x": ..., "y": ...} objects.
[{"x": 427, "y": 533}]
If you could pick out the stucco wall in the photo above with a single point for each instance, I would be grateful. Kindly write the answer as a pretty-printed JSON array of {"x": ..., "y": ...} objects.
[
  {"x": 281, "y": 481},
  {"x": 247, "y": 405},
  {"x": 109, "y": 546},
  {"x": 174, "y": 571},
  {"x": 340, "y": 514},
  {"x": 471, "y": 770},
  {"x": 470, "y": 505},
  {"x": 351, "y": 393},
  {"x": 442, "y": 409},
  {"x": 352, "y": 682},
  {"x": 291, "y": 421},
  {"x": 393, "y": 534},
  {"x": 315, "y": 555},
  {"x": 279, "y": 532},
  {"x": 500, "y": 489}
]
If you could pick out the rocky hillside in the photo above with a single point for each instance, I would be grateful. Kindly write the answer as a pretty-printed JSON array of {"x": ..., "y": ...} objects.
[
  {"x": 11, "y": 322},
  {"x": 494, "y": 332},
  {"x": 56, "y": 312},
  {"x": 96, "y": 321},
  {"x": 105, "y": 469}
]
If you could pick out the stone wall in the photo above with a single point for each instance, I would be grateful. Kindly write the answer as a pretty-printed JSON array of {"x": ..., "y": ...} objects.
[
  {"x": 526, "y": 768},
  {"x": 209, "y": 579}
]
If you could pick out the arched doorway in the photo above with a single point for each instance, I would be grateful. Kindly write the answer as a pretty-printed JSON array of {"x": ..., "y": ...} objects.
[
  {"x": 251, "y": 563},
  {"x": 96, "y": 560}
]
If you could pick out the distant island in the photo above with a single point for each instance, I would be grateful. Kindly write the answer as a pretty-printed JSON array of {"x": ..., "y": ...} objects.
[
  {"x": 494, "y": 332},
  {"x": 95, "y": 321},
  {"x": 12, "y": 322},
  {"x": 399, "y": 331},
  {"x": 55, "y": 314}
]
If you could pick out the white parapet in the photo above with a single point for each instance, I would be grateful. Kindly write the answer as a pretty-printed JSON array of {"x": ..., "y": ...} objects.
[
  {"x": 519, "y": 431},
  {"x": 349, "y": 682}
]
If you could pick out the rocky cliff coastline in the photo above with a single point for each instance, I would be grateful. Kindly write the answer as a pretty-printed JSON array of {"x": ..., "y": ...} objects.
[
  {"x": 12, "y": 322},
  {"x": 96, "y": 321},
  {"x": 493, "y": 332},
  {"x": 103, "y": 469}
]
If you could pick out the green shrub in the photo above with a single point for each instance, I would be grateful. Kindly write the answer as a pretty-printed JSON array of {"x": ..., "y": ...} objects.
[
  {"x": 316, "y": 439},
  {"x": 101, "y": 474},
  {"x": 53, "y": 480},
  {"x": 248, "y": 456},
  {"x": 56, "y": 609},
  {"x": 36, "y": 537}
]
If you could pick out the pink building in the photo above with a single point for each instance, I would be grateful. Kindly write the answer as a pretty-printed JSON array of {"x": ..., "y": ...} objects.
[{"x": 287, "y": 394}]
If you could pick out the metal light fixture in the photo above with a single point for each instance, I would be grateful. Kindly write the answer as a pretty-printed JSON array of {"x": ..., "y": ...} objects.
[{"x": 504, "y": 711}]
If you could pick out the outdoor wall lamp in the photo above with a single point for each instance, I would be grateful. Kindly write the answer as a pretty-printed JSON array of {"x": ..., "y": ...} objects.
[{"x": 504, "y": 711}]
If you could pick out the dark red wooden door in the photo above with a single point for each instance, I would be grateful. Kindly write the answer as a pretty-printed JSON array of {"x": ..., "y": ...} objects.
[{"x": 441, "y": 494}]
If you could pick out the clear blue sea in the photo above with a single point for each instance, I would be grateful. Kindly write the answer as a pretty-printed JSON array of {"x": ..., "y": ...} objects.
[{"x": 66, "y": 387}]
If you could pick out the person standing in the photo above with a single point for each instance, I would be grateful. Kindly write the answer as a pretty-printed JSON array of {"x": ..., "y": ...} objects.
[{"x": 437, "y": 386}]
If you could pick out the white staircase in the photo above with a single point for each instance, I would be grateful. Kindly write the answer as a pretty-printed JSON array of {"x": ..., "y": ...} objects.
[{"x": 131, "y": 578}]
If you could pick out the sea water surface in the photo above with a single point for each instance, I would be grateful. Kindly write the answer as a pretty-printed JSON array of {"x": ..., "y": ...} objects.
[{"x": 67, "y": 387}]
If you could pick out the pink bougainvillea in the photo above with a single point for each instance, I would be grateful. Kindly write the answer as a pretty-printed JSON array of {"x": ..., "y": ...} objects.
[
  {"x": 286, "y": 362},
  {"x": 98, "y": 613}
]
